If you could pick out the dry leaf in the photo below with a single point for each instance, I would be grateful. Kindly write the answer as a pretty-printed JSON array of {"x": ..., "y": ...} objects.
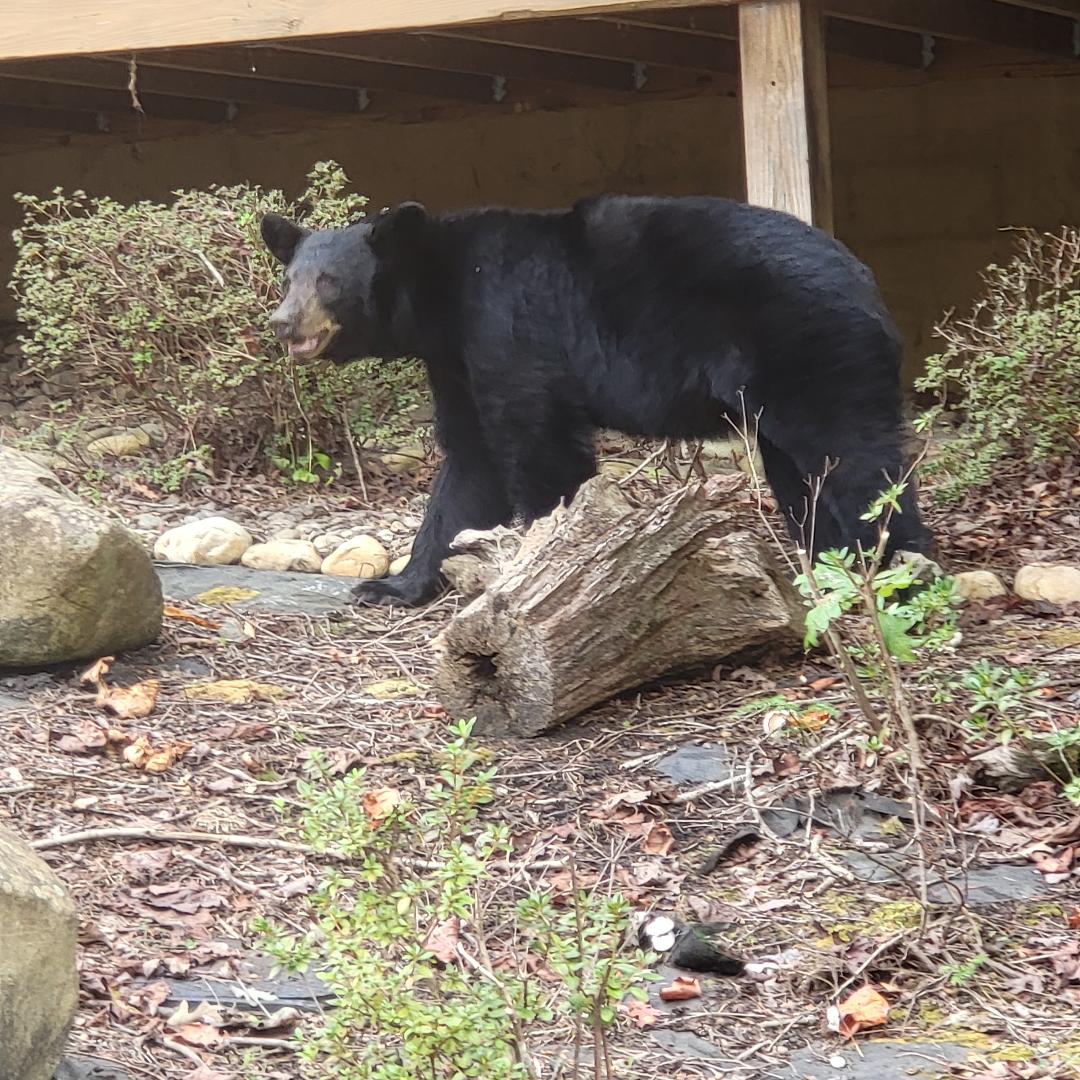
[
  {"x": 774, "y": 720},
  {"x": 180, "y": 614},
  {"x": 393, "y": 688},
  {"x": 234, "y": 691},
  {"x": 204, "y": 1072},
  {"x": 129, "y": 703},
  {"x": 94, "y": 676},
  {"x": 1053, "y": 864},
  {"x": 226, "y": 594},
  {"x": 199, "y": 1035},
  {"x": 824, "y": 683},
  {"x": 442, "y": 940},
  {"x": 812, "y": 720},
  {"x": 657, "y": 839},
  {"x": 380, "y": 803},
  {"x": 682, "y": 989},
  {"x": 642, "y": 1013},
  {"x": 88, "y": 735},
  {"x": 143, "y": 755},
  {"x": 1074, "y": 918},
  {"x": 863, "y": 1009}
]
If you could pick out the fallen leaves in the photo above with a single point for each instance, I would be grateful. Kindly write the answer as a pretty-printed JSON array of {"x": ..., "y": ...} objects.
[
  {"x": 234, "y": 691},
  {"x": 380, "y": 803},
  {"x": 442, "y": 940},
  {"x": 181, "y": 615},
  {"x": 865, "y": 1008},
  {"x": 389, "y": 689},
  {"x": 126, "y": 703},
  {"x": 226, "y": 594},
  {"x": 642, "y": 1014},
  {"x": 142, "y": 753},
  {"x": 683, "y": 988}
]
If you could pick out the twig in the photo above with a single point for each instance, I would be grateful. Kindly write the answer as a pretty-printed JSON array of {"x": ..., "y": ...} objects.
[
  {"x": 18, "y": 789},
  {"x": 265, "y": 1044},
  {"x": 166, "y": 836},
  {"x": 354, "y": 451},
  {"x": 221, "y": 872},
  {"x": 710, "y": 787},
  {"x": 832, "y": 639}
]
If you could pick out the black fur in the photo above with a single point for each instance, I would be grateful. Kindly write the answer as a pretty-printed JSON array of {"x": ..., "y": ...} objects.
[{"x": 645, "y": 315}]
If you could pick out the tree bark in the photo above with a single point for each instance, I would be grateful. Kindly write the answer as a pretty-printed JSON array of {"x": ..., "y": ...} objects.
[{"x": 600, "y": 597}]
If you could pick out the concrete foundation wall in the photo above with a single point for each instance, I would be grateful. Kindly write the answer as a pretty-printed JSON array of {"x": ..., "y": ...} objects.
[{"x": 925, "y": 176}]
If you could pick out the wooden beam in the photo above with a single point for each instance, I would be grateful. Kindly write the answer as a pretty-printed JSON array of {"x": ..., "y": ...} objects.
[
  {"x": 609, "y": 40},
  {"x": 1069, "y": 8},
  {"x": 861, "y": 41},
  {"x": 82, "y": 123},
  {"x": 283, "y": 67},
  {"x": 785, "y": 108},
  {"x": 966, "y": 20},
  {"x": 114, "y": 75},
  {"x": 26, "y": 93},
  {"x": 478, "y": 57},
  {"x": 41, "y": 28}
]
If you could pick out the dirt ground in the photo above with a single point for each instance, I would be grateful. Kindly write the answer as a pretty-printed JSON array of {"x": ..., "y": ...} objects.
[{"x": 823, "y": 908}]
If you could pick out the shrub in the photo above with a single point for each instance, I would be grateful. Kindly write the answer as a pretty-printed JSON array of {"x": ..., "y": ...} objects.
[
  {"x": 166, "y": 305},
  {"x": 436, "y": 966},
  {"x": 1015, "y": 362}
]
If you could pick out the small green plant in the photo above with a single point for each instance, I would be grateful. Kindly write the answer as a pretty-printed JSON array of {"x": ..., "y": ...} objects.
[
  {"x": 1012, "y": 366},
  {"x": 998, "y": 698},
  {"x": 1064, "y": 744},
  {"x": 180, "y": 472},
  {"x": 910, "y": 621},
  {"x": 961, "y": 973},
  {"x": 171, "y": 303},
  {"x": 400, "y": 933}
]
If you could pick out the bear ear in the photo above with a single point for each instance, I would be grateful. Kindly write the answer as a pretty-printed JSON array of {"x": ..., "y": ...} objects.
[
  {"x": 399, "y": 231},
  {"x": 281, "y": 236}
]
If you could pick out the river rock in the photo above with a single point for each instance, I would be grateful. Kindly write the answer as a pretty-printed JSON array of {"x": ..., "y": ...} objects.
[
  {"x": 212, "y": 541},
  {"x": 39, "y": 987},
  {"x": 125, "y": 444},
  {"x": 360, "y": 557},
  {"x": 978, "y": 585},
  {"x": 298, "y": 555},
  {"x": 73, "y": 583},
  {"x": 1054, "y": 583}
]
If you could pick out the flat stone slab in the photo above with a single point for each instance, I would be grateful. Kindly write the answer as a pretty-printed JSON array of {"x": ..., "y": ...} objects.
[
  {"x": 277, "y": 592},
  {"x": 999, "y": 884},
  {"x": 877, "y": 1061},
  {"x": 89, "y": 1068},
  {"x": 693, "y": 763}
]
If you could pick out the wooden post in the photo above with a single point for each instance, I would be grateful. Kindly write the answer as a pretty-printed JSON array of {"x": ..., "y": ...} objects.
[{"x": 785, "y": 108}]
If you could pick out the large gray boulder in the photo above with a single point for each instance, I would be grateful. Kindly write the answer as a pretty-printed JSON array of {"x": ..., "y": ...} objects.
[
  {"x": 39, "y": 988},
  {"x": 73, "y": 583}
]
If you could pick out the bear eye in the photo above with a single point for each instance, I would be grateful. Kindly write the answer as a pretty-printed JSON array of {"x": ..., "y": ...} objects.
[{"x": 326, "y": 282}]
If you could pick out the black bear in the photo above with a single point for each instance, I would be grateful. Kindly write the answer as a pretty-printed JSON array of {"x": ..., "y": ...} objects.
[{"x": 651, "y": 316}]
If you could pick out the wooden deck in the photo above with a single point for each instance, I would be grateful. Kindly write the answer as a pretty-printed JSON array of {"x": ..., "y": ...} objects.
[{"x": 103, "y": 65}]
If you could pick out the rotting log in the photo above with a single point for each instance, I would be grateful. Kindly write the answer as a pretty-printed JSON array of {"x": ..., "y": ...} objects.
[{"x": 598, "y": 598}]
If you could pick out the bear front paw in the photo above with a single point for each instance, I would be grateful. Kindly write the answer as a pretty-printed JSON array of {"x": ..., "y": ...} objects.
[{"x": 395, "y": 592}]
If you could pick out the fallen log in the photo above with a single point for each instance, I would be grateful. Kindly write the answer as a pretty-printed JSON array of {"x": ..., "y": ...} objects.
[{"x": 598, "y": 598}]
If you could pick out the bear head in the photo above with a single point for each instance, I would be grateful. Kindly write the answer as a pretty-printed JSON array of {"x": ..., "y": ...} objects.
[{"x": 342, "y": 298}]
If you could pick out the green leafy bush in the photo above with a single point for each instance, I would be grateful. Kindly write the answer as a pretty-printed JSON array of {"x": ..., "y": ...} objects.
[
  {"x": 165, "y": 307},
  {"x": 438, "y": 968},
  {"x": 1013, "y": 364}
]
